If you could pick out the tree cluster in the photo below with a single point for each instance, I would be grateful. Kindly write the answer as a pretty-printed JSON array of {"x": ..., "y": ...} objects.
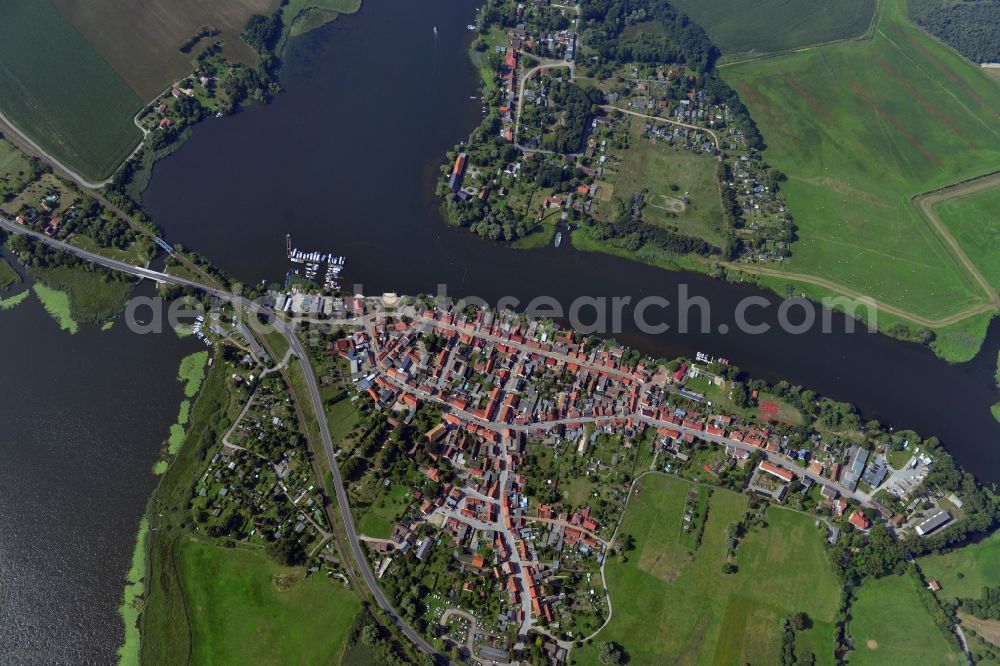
[
  {"x": 972, "y": 27},
  {"x": 676, "y": 39},
  {"x": 986, "y": 607},
  {"x": 262, "y": 32}
]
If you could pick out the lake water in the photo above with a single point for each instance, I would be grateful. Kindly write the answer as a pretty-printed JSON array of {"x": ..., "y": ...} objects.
[
  {"x": 82, "y": 418},
  {"x": 345, "y": 160}
]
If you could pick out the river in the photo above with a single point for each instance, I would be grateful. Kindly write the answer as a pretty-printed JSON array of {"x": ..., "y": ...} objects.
[
  {"x": 345, "y": 161},
  {"x": 82, "y": 419}
]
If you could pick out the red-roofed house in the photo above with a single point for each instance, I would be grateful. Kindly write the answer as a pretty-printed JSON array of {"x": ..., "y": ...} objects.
[
  {"x": 774, "y": 470},
  {"x": 859, "y": 520}
]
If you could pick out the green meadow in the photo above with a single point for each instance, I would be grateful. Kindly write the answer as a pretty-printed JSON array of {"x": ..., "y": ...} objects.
[
  {"x": 243, "y": 608},
  {"x": 966, "y": 571},
  {"x": 65, "y": 97},
  {"x": 860, "y": 128},
  {"x": 674, "y": 605},
  {"x": 890, "y": 626},
  {"x": 748, "y": 28},
  {"x": 974, "y": 221}
]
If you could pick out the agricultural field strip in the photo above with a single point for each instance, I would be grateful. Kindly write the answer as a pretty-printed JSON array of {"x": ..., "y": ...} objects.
[{"x": 866, "y": 36}]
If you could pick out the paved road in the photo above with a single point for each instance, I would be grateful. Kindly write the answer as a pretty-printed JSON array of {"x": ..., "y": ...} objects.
[{"x": 287, "y": 331}]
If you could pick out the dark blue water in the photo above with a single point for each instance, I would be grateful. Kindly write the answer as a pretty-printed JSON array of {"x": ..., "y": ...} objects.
[{"x": 82, "y": 418}]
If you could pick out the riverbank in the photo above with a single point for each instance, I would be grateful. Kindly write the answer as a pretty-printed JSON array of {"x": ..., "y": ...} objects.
[
  {"x": 163, "y": 624},
  {"x": 135, "y": 588}
]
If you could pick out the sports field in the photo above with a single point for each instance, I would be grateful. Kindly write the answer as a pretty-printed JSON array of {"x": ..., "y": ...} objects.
[
  {"x": 140, "y": 39},
  {"x": 861, "y": 128},
  {"x": 666, "y": 175},
  {"x": 674, "y": 606},
  {"x": 890, "y": 626},
  {"x": 964, "y": 572},
  {"x": 749, "y": 28},
  {"x": 69, "y": 100},
  {"x": 245, "y": 609}
]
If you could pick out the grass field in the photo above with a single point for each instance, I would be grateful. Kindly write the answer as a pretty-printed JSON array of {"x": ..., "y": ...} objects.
[
  {"x": 861, "y": 128},
  {"x": 890, "y": 626},
  {"x": 655, "y": 169},
  {"x": 674, "y": 606},
  {"x": 71, "y": 102},
  {"x": 748, "y": 28},
  {"x": 244, "y": 609},
  {"x": 377, "y": 519},
  {"x": 964, "y": 572},
  {"x": 140, "y": 39},
  {"x": 974, "y": 221},
  {"x": 342, "y": 417}
]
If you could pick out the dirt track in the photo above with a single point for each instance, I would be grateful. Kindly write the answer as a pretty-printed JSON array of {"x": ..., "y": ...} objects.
[{"x": 925, "y": 204}]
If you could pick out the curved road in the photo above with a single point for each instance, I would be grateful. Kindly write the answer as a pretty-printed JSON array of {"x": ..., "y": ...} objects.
[{"x": 288, "y": 332}]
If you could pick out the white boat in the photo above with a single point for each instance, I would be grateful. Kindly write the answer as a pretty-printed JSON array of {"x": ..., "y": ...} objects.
[
  {"x": 558, "y": 238},
  {"x": 471, "y": 27}
]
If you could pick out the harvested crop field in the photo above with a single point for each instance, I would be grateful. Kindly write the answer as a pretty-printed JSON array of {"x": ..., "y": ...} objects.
[{"x": 140, "y": 39}]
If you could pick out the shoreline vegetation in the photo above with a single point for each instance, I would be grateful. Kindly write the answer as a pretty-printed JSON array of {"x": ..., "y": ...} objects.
[
  {"x": 191, "y": 373},
  {"x": 135, "y": 589},
  {"x": 56, "y": 303},
  {"x": 13, "y": 301}
]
